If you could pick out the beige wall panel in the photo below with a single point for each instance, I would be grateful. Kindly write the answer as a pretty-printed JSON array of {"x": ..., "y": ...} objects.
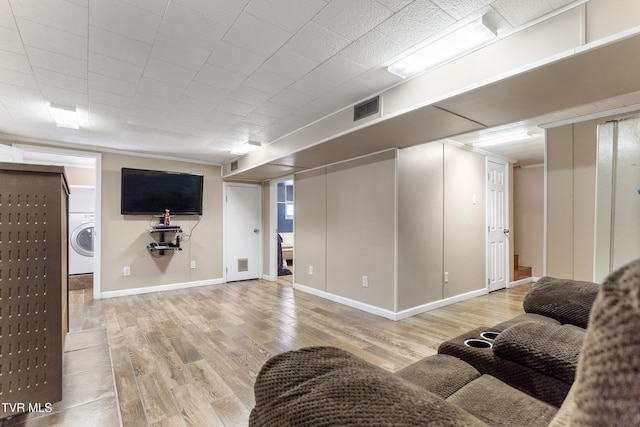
[
  {"x": 80, "y": 176},
  {"x": 528, "y": 219},
  {"x": 310, "y": 229},
  {"x": 420, "y": 225},
  {"x": 361, "y": 224},
  {"x": 464, "y": 221},
  {"x": 560, "y": 202},
  {"x": 124, "y": 238},
  {"x": 607, "y": 17},
  {"x": 584, "y": 198}
]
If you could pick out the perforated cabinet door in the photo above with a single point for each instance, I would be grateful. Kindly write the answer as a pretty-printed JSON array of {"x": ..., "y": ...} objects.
[{"x": 31, "y": 226}]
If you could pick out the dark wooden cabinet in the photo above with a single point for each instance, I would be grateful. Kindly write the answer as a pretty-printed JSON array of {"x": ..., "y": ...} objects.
[{"x": 33, "y": 285}]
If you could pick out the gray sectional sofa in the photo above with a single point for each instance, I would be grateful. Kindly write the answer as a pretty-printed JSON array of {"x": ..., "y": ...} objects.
[{"x": 326, "y": 386}]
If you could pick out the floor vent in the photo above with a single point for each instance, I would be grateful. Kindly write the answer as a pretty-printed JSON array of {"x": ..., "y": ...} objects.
[{"x": 366, "y": 108}]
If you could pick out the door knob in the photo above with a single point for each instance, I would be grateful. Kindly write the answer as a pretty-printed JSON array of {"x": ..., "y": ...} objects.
[
  {"x": 255, "y": 230},
  {"x": 505, "y": 231}
]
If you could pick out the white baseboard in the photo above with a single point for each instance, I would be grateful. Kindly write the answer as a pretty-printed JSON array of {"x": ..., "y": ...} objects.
[
  {"x": 522, "y": 282},
  {"x": 440, "y": 303},
  {"x": 388, "y": 313},
  {"x": 160, "y": 288}
]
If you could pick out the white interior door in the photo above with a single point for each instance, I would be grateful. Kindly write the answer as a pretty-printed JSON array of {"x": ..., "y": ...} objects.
[
  {"x": 497, "y": 225},
  {"x": 242, "y": 231}
]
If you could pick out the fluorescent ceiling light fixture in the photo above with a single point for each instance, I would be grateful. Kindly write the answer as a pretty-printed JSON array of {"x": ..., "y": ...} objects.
[
  {"x": 444, "y": 49},
  {"x": 505, "y": 136},
  {"x": 246, "y": 147},
  {"x": 65, "y": 117}
]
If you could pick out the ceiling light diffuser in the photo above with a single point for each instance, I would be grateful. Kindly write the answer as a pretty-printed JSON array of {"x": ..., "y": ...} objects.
[
  {"x": 444, "y": 49},
  {"x": 246, "y": 147},
  {"x": 65, "y": 117},
  {"x": 502, "y": 136}
]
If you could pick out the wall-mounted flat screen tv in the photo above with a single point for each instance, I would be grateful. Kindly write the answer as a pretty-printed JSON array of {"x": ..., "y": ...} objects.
[{"x": 150, "y": 192}]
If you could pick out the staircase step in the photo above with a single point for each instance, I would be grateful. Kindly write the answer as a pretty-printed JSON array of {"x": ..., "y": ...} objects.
[{"x": 521, "y": 272}]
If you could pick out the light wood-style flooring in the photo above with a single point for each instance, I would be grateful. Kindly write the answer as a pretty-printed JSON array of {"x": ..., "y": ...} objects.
[{"x": 190, "y": 357}]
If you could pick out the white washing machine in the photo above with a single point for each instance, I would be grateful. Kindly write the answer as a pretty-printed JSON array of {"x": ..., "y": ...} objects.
[{"x": 81, "y": 229}]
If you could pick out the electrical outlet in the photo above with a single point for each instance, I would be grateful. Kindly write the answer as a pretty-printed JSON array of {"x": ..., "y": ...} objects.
[
  {"x": 193, "y": 264},
  {"x": 365, "y": 281},
  {"x": 126, "y": 271},
  {"x": 311, "y": 270}
]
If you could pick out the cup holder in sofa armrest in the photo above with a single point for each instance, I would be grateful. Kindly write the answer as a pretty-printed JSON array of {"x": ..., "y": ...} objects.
[
  {"x": 551, "y": 349},
  {"x": 476, "y": 343},
  {"x": 489, "y": 335}
]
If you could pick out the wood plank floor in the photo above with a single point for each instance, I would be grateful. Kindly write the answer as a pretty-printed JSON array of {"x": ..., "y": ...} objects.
[{"x": 190, "y": 357}]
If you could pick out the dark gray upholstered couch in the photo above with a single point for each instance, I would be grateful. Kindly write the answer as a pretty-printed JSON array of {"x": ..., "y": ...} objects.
[{"x": 326, "y": 386}]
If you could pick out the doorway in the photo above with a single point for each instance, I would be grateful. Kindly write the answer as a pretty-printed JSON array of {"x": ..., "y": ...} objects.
[
  {"x": 281, "y": 225},
  {"x": 243, "y": 220},
  {"x": 497, "y": 224}
]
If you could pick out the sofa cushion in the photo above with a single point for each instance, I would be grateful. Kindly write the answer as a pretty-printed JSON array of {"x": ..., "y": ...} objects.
[
  {"x": 550, "y": 349},
  {"x": 607, "y": 388},
  {"x": 440, "y": 374},
  {"x": 497, "y": 404},
  {"x": 326, "y": 386},
  {"x": 568, "y": 301}
]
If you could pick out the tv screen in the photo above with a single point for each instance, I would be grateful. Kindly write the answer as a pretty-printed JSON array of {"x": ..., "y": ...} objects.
[{"x": 149, "y": 192}]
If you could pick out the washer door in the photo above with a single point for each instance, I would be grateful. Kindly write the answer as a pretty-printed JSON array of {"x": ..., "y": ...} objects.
[{"x": 82, "y": 239}]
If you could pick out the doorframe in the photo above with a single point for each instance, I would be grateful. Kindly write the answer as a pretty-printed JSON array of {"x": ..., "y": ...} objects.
[
  {"x": 272, "y": 274},
  {"x": 507, "y": 207},
  {"x": 225, "y": 186}
]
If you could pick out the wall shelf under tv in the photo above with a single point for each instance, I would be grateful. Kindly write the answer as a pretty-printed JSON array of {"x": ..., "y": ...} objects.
[{"x": 162, "y": 244}]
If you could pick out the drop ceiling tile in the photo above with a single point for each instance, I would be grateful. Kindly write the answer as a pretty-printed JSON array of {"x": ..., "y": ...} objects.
[
  {"x": 124, "y": 19},
  {"x": 111, "y": 85},
  {"x": 60, "y": 14},
  {"x": 192, "y": 27},
  {"x": 70, "y": 98},
  {"x": 290, "y": 15},
  {"x": 14, "y": 61},
  {"x": 314, "y": 85},
  {"x": 339, "y": 69},
  {"x": 235, "y": 107},
  {"x": 109, "y": 98},
  {"x": 157, "y": 7},
  {"x": 162, "y": 89},
  {"x": 10, "y": 41},
  {"x": 519, "y": 12},
  {"x": 59, "y": 80},
  {"x": 23, "y": 109},
  {"x": 250, "y": 95},
  {"x": 193, "y": 107},
  {"x": 274, "y": 110},
  {"x": 292, "y": 98},
  {"x": 316, "y": 42},
  {"x": 219, "y": 77},
  {"x": 395, "y": 5},
  {"x": 169, "y": 73},
  {"x": 415, "y": 23},
  {"x": 222, "y": 117},
  {"x": 372, "y": 49},
  {"x": 461, "y": 9},
  {"x": 47, "y": 38},
  {"x": 259, "y": 119},
  {"x": 206, "y": 92},
  {"x": 352, "y": 19},
  {"x": 179, "y": 52},
  {"x": 235, "y": 59},
  {"x": 118, "y": 47},
  {"x": 100, "y": 64},
  {"x": 266, "y": 81},
  {"x": 256, "y": 35},
  {"x": 17, "y": 78},
  {"x": 24, "y": 92},
  {"x": 225, "y": 11},
  {"x": 6, "y": 17},
  {"x": 56, "y": 62},
  {"x": 289, "y": 64}
]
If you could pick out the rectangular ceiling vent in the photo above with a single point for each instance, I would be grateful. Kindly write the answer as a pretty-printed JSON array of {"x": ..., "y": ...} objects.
[
  {"x": 366, "y": 108},
  {"x": 234, "y": 165}
]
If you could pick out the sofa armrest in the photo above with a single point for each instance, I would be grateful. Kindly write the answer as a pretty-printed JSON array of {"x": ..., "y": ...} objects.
[
  {"x": 326, "y": 386},
  {"x": 551, "y": 349},
  {"x": 567, "y": 301}
]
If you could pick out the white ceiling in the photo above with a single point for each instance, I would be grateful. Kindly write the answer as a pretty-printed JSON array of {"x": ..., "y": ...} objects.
[{"x": 194, "y": 78}]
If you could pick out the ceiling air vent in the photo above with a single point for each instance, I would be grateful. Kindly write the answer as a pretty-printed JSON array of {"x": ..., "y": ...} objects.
[
  {"x": 234, "y": 165},
  {"x": 366, "y": 108}
]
